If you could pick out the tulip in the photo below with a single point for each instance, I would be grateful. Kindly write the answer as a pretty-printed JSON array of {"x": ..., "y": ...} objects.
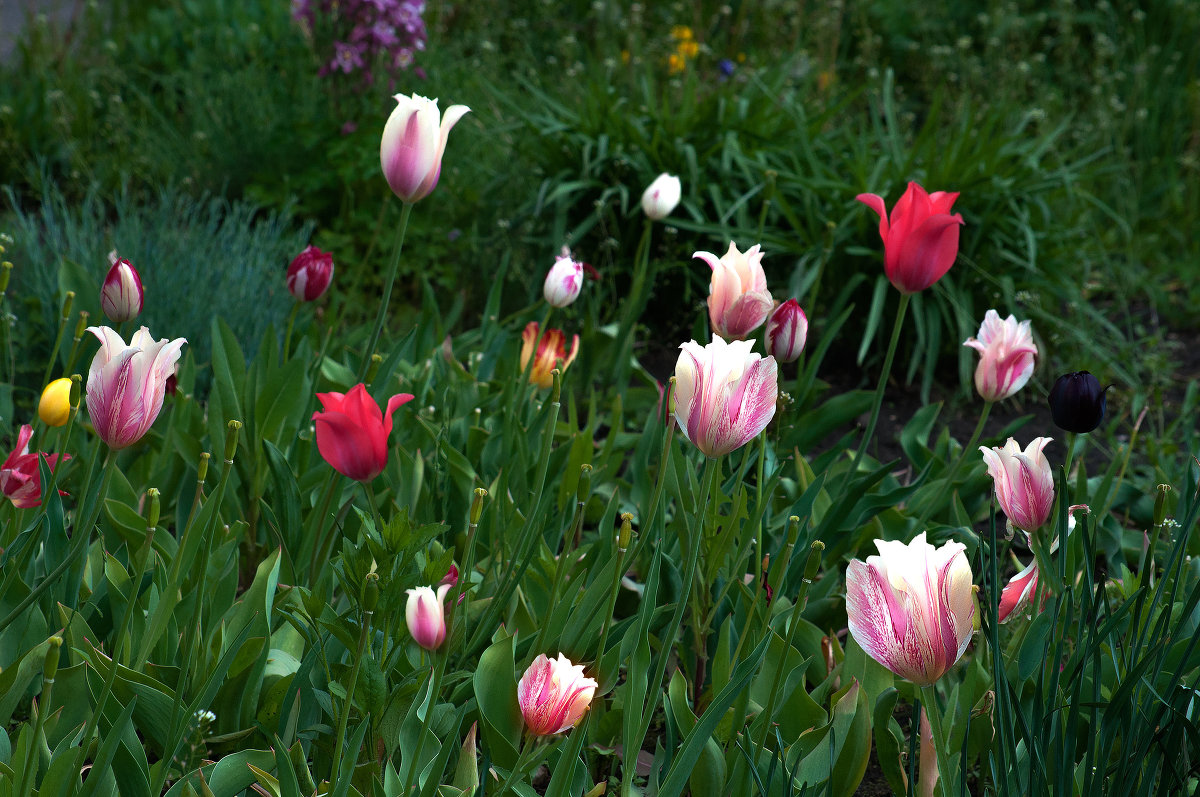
[
  {"x": 121, "y": 296},
  {"x": 912, "y": 607},
  {"x": 54, "y": 408},
  {"x": 564, "y": 281},
  {"x": 724, "y": 394},
  {"x": 352, "y": 433},
  {"x": 426, "y": 617},
  {"x": 1006, "y": 356},
  {"x": 1077, "y": 402},
  {"x": 787, "y": 332},
  {"x": 309, "y": 274},
  {"x": 20, "y": 477},
  {"x": 552, "y": 352},
  {"x": 1024, "y": 482},
  {"x": 127, "y": 383},
  {"x": 661, "y": 197},
  {"x": 410, "y": 152},
  {"x": 738, "y": 301},
  {"x": 1022, "y": 591},
  {"x": 553, "y": 695},
  {"x": 920, "y": 240}
]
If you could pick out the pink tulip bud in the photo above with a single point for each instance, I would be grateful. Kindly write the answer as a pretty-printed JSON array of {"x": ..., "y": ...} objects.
[
  {"x": 121, "y": 295},
  {"x": 564, "y": 281},
  {"x": 352, "y": 433},
  {"x": 549, "y": 352},
  {"x": 920, "y": 241},
  {"x": 553, "y": 695},
  {"x": 127, "y": 383},
  {"x": 724, "y": 394},
  {"x": 309, "y": 274},
  {"x": 410, "y": 152},
  {"x": 912, "y": 608},
  {"x": 425, "y": 616},
  {"x": 20, "y": 477},
  {"x": 738, "y": 300},
  {"x": 787, "y": 332},
  {"x": 661, "y": 197},
  {"x": 1006, "y": 356},
  {"x": 1024, "y": 482}
]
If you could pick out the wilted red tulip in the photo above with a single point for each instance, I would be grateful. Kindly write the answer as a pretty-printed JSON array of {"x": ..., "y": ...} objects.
[
  {"x": 309, "y": 274},
  {"x": 553, "y": 695},
  {"x": 126, "y": 383},
  {"x": 551, "y": 353},
  {"x": 20, "y": 479},
  {"x": 352, "y": 433},
  {"x": 413, "y": 142},
  {"x": 1006, "y": 356},
  {"x": 920, "y": 239}
]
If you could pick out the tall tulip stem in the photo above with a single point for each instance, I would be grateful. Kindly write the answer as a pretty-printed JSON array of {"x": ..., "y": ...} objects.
[
  {"x": 643, "y": 282},
  {"x": 339, "y": 744},
  {"x": 941, "y": 741},
  {"x": 879, "y": 389},
  {"x": 958, "y": 463},
  {"x": 385, "y": 300},
  {"x": 287, "y": 336}
]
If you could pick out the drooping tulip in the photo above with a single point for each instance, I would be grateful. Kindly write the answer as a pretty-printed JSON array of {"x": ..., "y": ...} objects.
[
  {"x": 309, "y": 275},
  {"x": 564, "y": 281},
  {"x": 1022, "y": 590},
  {"x": 920, "y": 238},
  {"x": 425, "y": 615},
  {"x": 787, "y": 332},
  {"x": 54, "y": 407},
  {"x": 553, "y": 695},
  {"x": 1077, "y": 402},
  {"x": 738, "y": 300},
  {"x": 661, "y": 197},
  {"x": 912, "y": 607},
  {"x": 20, "y": 477},
  {"x": 126, "y": 383},
  {"x": 1024, "y": 482},
  {"x": 352, "y": 433},
  {"x": 413, "y": 143},
  {"x": 725, "y": 394},
  {"x": 551, "y": 352},
  {"x": 1006, "y": 356},
  {"x": 121, "y": 296}
]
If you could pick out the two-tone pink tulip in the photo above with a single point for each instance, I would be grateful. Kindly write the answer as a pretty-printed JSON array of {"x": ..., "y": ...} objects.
[
  {"x": 564, "y": 281},
  {"x": 127, "y": 383},
  {"x": 414, "y": 140},
  {"x": 121, "y": 295},
  {"x": 920, "y": 238},
  {"x": 912, "y": 607},
  {"x": 20, "y": 475},
  {"x": 425, "y": 615},
  {"x": 1007, "y": 355},
  {"x": 309, "y": 275},
  {"x": 738, "y": 299},
  {"x": 1024, "y": 482},
  {"x": 553, "y": 695},
  {"x": 725, "y": 394},
  {"x": 1022, "y": 591},
  {"x": 787, "y": 332}
]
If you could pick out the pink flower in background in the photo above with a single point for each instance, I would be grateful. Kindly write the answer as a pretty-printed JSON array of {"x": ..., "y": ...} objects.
[
  {"x": 787, "y": 332},
  {"x": 121, "y": 295},
  {"x": 309, "y": 275},
  {"x": 912, "y": 607},
  {"x": 1006, "y": 356},
  {"x": 426, "y": 617},
  {"x": 738, "y": 301},
  {"x": 920, "y": 239},
  {"x": 724, "y": 394},
  {"x": 1024, "y": 482},
  {"x": 413, "y": 142},
  {"x": 553, "y": 695},
  {"x": 126, "y": 383},
  {"x": 564, "y": 281},
  {"x": 352, "y": 433},
  {"x": 20, "y": 477}
]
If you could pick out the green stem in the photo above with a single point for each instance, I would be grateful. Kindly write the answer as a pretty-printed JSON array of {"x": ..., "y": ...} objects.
[
  {"x": 287, "y": 336},
  {"x": 612, "y": 602},
  {"x": 941, "y": 741},
  {"x": 318, "y": 552},
  {"x": 405, "y": 212},
  {"x": 369, "y": 489},
  {"x": 464, "y": 577},
  {"x": 635, "y": 303},
  {"x": 879, "y": 390},
  {"x": 958, "y": 463},
  {"x": 517, "y": 771},
  {"x": 344, "y": 719}
]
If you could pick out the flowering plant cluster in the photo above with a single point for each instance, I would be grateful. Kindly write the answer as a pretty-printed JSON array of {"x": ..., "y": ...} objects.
[{"x": 356, "y": 36}]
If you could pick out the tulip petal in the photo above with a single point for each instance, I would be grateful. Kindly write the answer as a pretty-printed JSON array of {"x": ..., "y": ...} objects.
[
  {"x": 927, "y": 253},
  {"x": 347, "y": 446}
]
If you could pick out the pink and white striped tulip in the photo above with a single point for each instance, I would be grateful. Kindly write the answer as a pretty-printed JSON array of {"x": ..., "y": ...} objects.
[
  {"x": 787, "y": 332},
  {"x": 121, "y": 296},
  {"x": 1021, "y": 592},
  {"x": 21, "y": 476},
  {"x": 725, "y": 394},
  {"x": 564, "y": 281},
  {"x": 912, "y": 607},
  {"x": 410, "y": 152},
  {"x": 126, "y": 383},
  {"x": 1024, "y": 482},
  {"x": 1006, "y": 356},
  {"x": 738, "y": 300},
  {"x": 425, "y": 615},
  {"x": 554, "y": 694},
  {"x": 309, "y": 275}
]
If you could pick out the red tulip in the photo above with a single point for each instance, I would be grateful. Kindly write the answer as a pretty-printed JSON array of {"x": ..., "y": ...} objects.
[
  {"x": 309, "y": 274},
  {"x": 352, "y": 433},
  {"x": 20, "y": 479},
  {"x": 920, "y": 239}
]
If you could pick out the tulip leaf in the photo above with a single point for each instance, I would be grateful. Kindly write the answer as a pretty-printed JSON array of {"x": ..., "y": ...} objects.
[
  {"x": 1032, "y": 654},
  {"x": 495, "y": 684},
  {"x": 889, "y": 741}
]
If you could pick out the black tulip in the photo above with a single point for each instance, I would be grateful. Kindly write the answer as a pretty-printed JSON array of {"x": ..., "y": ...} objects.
[{"x": 1077, "y": 402}]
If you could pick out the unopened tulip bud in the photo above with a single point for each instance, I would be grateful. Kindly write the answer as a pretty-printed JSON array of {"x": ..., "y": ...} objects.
[
  {"x": 81, "y": 325},
  {"x": 231, "y": 440},
  {"x": 370, "y": 597},
  {"x": 153, "y": 511},
  {"x": 5, "y": 272},
  {"x": 585, "y": 483},
  {"x": 477, "y": 505},
  {"x": 68, "y": 300},
  {"x": 787, "y": 332},
  {"x": 553, "y": 695},
  {"x": 414, "y": 140},
  {"x": 626, "y": 532},
  {"x": 425, "y": 616},
  {"x": 121, "y": 296},
  {"x": 202, "y": 467},
  {"x": 76, "y": 390},
  {"x": 564, "y": 281},
  {"x": 50, "y": 665},
  {"x": 55, "y": 406},
  {"x": 661, "y": 197},
  {"x": 1160, "y": 504},
  {"x": 373, "y": 368},
  {"x": 1077, "y": 402},
  {"x": 309, "y": 275}
]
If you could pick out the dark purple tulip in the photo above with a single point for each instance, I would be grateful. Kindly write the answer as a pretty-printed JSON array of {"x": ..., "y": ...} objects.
[{"x": 1077, "y": 402}]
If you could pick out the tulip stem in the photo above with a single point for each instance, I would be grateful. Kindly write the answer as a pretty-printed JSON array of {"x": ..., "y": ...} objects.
[
  {"x": 369, "y": 489},
  {"x": 643, "y": 281},
  {"x": 941, "y": 741},
  {"x": 287, "y": 336},
  {"x": 879, "y": 390},
  {"x": 340, "y": 738},
  {"x": 930, "y": 506},
  {"x": 405, "y": 212}
]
